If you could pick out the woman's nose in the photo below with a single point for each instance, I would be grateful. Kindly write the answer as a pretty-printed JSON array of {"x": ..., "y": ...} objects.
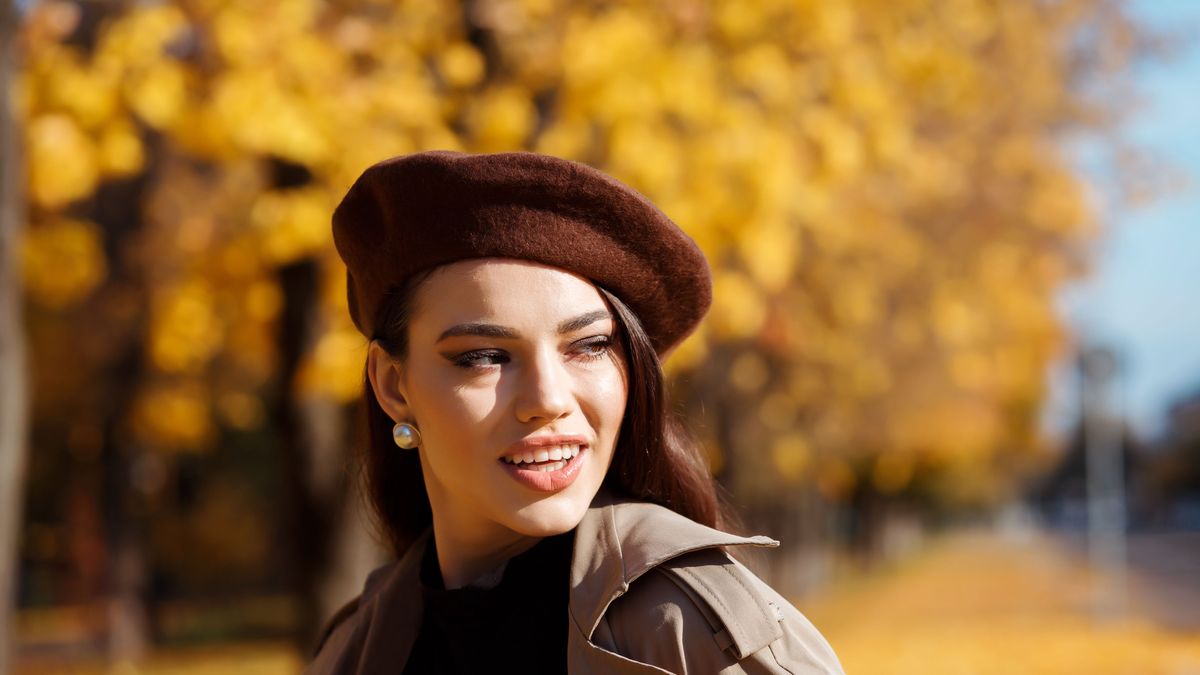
[{"x": 545, "y": 392}]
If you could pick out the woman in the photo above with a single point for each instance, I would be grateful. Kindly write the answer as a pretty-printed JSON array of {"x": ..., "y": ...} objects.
[{"x": 546, "y": 514}]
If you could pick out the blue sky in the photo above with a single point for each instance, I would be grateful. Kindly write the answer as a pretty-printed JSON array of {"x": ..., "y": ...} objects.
[{"x": 1143, "y": 298}]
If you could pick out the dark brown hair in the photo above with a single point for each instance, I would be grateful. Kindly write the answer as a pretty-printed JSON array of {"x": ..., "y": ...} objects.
[{"x": 655, "y": 459}]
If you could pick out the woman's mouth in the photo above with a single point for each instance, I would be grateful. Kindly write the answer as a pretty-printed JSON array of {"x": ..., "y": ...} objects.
[
  {"x": 545, "y": 469},
  {"x": 551, "y": 458}
]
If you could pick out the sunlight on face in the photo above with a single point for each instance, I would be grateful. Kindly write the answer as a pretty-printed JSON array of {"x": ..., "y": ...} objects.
[{"x": 501, "y": 351}]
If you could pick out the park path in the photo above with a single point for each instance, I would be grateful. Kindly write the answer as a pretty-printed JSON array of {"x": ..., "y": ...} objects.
[
  {"x": 1166, "y": 568},
  {"x": 983, "y": 603}
]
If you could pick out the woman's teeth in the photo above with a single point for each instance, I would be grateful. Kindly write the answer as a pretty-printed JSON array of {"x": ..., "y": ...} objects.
[{"x": 557, "y": 457}]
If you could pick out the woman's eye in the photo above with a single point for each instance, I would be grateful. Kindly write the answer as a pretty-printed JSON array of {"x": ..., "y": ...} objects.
[
  {"x": 596, "y": 348},
  {"x": 480, "y": 359}
]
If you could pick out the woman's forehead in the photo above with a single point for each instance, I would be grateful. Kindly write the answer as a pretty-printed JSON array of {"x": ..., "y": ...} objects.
[{"x": 503, "y": 289}]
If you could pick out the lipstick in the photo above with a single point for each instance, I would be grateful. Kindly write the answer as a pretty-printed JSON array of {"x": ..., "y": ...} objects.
[{"x": 551, "y": 473}]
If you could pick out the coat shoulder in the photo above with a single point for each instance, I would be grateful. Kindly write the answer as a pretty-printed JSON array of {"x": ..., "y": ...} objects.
[
  {"x": 704, "y": 612},
  {"x": 341, "y": 615}
]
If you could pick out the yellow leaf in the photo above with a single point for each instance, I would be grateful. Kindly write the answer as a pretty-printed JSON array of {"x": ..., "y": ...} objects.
[
  {"x": 62, "y": 161},
  {"x": 461, "y": 65},
  {"x": 770, "y": 251},
  {"x": 334, "y": 367},
  {"x": 120, "y": 150},
  {"x": 158, "y": 93},
  {"x": 173, "y": 417},
  {"x": 738, "y": 309},
  {"x": 502, "y": 119},
  {"x": 62, "y": 261},
  {"x": 185, "y": 327},
  {"x": 292, "y": 224},
  {"x": 792, "y": 456}
]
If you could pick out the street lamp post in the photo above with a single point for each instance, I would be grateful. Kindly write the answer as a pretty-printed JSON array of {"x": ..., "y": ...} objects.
[{"x": 1104, "y": 456}]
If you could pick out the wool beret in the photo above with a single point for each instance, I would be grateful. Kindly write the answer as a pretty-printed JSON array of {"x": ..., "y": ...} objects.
[{"x": 414, "y": 212}]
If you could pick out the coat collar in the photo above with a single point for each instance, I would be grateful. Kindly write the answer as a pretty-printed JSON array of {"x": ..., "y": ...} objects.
[
  {"x": 390, "y": 611},
  {"x": 620, "y": 539}
]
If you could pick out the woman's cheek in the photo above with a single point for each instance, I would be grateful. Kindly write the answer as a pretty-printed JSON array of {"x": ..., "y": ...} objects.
[
  {"x": 608, "y": 394},
  {"x": 459, "y": 392},
  {"x": 464, "y": 409}
]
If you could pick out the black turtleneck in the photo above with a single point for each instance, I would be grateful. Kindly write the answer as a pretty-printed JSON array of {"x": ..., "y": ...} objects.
[{"x": 520, "y": 625}]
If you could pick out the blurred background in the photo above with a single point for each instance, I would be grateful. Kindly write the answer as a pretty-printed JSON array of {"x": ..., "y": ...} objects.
[{"x": 952, "y": 361}]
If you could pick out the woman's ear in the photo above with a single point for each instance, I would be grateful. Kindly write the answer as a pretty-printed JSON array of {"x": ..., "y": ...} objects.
[{"x": 387, "y": 379}]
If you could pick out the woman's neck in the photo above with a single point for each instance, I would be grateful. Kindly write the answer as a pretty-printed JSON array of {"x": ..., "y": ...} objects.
[{"x": 476, "y": 556}]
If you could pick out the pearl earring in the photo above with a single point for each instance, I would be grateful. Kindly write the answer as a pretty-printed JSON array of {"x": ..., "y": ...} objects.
[{"x": 406, "y": 435}]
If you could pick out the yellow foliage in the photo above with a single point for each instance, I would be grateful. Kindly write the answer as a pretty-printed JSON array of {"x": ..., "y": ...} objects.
[
  {"x": 173, "y": 417},
  {"x": 956, "y": 320},
  {"x": 461, "y": 65},
  {"x": 185, "y": 327},
  {"x": 62, "y": 160},
  {"x": 564, "y": 138},
  {"x": 262, "y": 118},
  {"x": 62, "y": 261},
  {"x": 292, "y": 224},
  {"x": 839, "y": 145},
  {"x": 855, "y": 300},
  {"x": 688, "y": 353},
  {"x": 645, "y": 156},
  {"x": 262, "y": 300},
  {"x": 877, "y": 186},
  {"x": 738, "y": 310},
  {"x": 501, "y": 118},
  {"x": 120, "y": 150},
  {"x": 335, "y": 367},
  {"x": 241, "y": 410},
  {"x": 138, "y": 40},
  {"x": 89, "y": 95},
  {"x": 158, "y": 93},
  {"x": 770, "y": 252},
  {"x": 870, "y": 376},
  {"x": 749, "y": 372},
  {"x": 972, "y": 370},
  {"x": 792, "y": 455}
]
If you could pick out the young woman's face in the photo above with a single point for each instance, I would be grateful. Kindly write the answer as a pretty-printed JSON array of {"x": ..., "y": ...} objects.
[{"x": 505, "y": 356}]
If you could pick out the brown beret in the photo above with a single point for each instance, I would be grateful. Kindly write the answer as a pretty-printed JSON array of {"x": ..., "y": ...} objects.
[{"x": 413, "y": 212}]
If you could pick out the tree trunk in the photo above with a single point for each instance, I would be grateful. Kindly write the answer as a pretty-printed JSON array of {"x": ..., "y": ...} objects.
[
  {"x": 14, "y": 383},
  {"x": 312, "y": 443}
]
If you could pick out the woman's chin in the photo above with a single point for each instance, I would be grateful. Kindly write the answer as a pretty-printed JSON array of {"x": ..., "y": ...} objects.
[{"x": 551, "y": 515}]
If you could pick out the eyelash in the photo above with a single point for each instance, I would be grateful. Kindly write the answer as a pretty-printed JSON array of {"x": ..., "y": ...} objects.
[{"x": 467, "y": 360}]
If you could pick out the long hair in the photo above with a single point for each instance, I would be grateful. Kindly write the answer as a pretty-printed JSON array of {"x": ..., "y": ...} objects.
[{"x": 655, "y": 459}]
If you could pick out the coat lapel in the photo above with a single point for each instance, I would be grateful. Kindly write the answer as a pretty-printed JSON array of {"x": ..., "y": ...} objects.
[{"x": 618, "y": 540}]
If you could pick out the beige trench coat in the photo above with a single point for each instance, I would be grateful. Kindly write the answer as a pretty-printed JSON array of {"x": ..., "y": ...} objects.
[{"x": 650, "y": 593}]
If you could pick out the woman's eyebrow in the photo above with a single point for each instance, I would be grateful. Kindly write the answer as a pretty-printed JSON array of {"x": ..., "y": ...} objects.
[
  {"x": 582, "y": 321},
  {"x": 495, "y": 331},
  {"x": 484, "y": 329}
]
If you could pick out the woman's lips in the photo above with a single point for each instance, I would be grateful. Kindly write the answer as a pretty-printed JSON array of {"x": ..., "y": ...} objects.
[{"x": 547, "y": 481}]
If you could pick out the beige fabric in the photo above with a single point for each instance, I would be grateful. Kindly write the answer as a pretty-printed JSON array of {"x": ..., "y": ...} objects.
[{"x": 651, "y": 592}]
